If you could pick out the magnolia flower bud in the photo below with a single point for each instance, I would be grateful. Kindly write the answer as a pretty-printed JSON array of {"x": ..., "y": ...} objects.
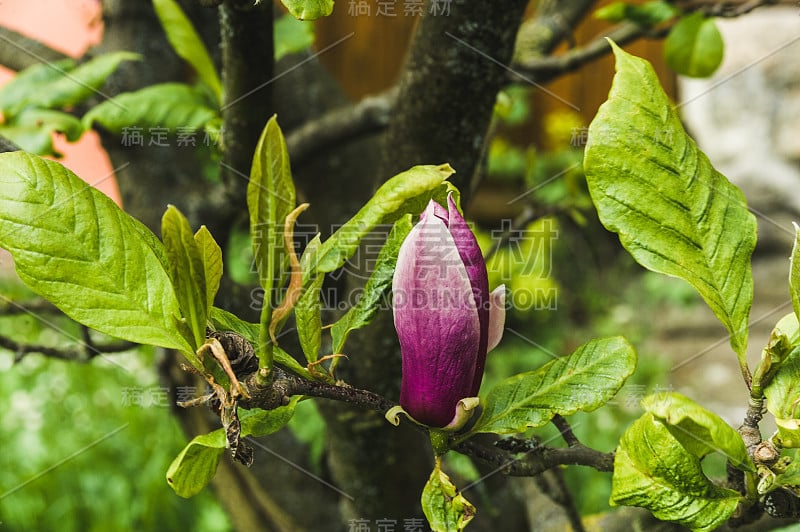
[{"x": 445, "y": 317}]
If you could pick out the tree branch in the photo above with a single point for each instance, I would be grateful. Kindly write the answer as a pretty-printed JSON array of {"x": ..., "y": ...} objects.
[
  {"x": 247, "y": 76},
  {"x": 6, "y": 145},
  {"x": 82, "y": 352},
  {"x": 533, "y": 462},
  {"x": 20, "y": 52},
  {"x": 544, "y": 69},
  {"x": 534, "y": 64},
  {"x": 341, "y": 125}
]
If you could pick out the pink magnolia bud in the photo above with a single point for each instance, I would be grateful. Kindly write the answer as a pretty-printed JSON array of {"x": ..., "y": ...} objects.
[{"x": 445, "y": 317}]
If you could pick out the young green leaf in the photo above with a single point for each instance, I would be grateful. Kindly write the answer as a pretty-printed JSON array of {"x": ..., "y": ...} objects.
[
  {"x": 211, "y": 254},
  {"x": 653, "y": 470},
  {"x": 446, "y": 509},
  {"x": 187, "y": 270},
  {"x": 407, "y": 192},
  {"x": 674, "y": 213},
  {"x": 14, "y": 94},
  {"x": 80, "y": 83},
  {"x": 187, "y": 43},
  {"x": 694, "y": 46},
  {"x": 783, "y": 398},
  {"x": 794, "y": 272},
  {"x": 700, "y": 431},
  {"x": 308, "y": 310},
  {"x": 32, "y": 129},
  {"x": 73, "y": 246},
  {"x": 292, "y": 35},
  {"x": 584, "y": 380},
  {"x": 270, "y": 199},
  {"x": 167, "y": 105},
  {"x": 309, "y": 9},
  {"x": 197, "y": 463},
  {"x": 376, "y": 289}
]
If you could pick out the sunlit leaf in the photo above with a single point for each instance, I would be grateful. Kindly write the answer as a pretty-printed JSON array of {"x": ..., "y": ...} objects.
[
  {"x": 73, "y": 245},
  {"x": 700, "y": 431},
  {"x": 654, "y": 471},
  {"x": 446, "y": 509},
  {"x": 672, "y": 210},
  {"x": 584, "y": 380}
]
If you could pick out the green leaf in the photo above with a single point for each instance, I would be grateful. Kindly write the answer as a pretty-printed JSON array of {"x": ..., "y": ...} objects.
[
  {"x": 33, "y": 128},
  {"x": 14, "y": 94},
  {"x": 585, "y": 380},
  {"x": 167, "y": 105},
  {"x": 790, "y": 477},
  {"x": 270, "y": 198},
  {"x": 292, "y": 35},
  {"x": 376, "y": 289},
  {"x": 80, "y": 83},
  {"x": 407, "y": 192},
  {"x": 694, "y": 46},
  {"x": 73, "y": 246},
  {"x": 187, "y": 43},
  {"x": 211, "y": 254},
  {"x": 32, "y": 139},
  {"x": 674, "y": 213},
  {"x": 51, "y": 121},
  {"x": 653, "y": 470},
  {"x": 222, "y": 320},
  {"x": 783, "y": 390},
  {"x": 308, "y": 311},
  {"x": 700, "y": 431},
  {"x": 446, "y": 509},
  {"x": 197, "y": 463},
  {"x": 794, "y": 272},
  {"x": 187, "y": 270},
  {"x": 309, "y": 9}
]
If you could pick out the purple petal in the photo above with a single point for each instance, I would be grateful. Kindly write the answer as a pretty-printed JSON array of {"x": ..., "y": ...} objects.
[
  {"x": 471, "y": 256},
  {"x": 497, "y": 316},
  {"x": 437, "y": 323}
]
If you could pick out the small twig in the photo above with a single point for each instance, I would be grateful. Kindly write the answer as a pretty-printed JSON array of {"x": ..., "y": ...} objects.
[
  {"x": 336, "y": 127},
  {"x": 553, "y": 485},
  {"x": 81, "y": 352},
  {"x": 18, "y": 51},
  {"x": 565, "y": 429}
]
